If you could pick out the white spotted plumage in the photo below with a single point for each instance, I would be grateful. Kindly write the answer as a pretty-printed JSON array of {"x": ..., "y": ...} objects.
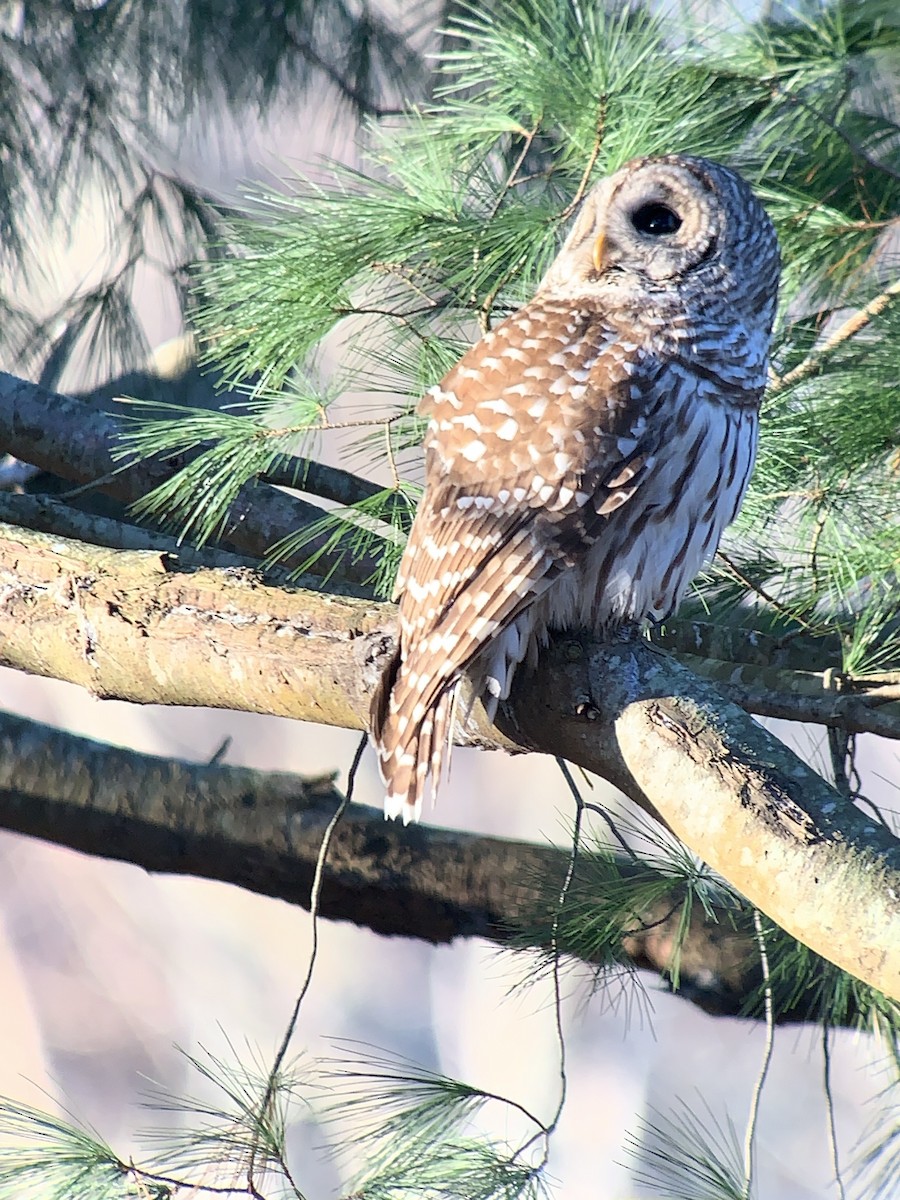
[{"x": 583, "y": 458}]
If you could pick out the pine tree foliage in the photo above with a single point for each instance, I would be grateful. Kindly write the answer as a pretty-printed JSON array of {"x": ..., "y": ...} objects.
[
  {"x": 417, "y": 1132},
  {"x": 96, "y": 98},
  {"x": 227, "y": 1125},
  {"x": 44, "y": 1158},
  {"x": 414, "y": 1129},
  {"x": 690, "y": 1156},
  {"x": 611, "y": 895}
]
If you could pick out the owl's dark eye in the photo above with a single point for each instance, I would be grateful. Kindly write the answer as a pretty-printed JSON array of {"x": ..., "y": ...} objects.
[{"x": 656, "y": 220}]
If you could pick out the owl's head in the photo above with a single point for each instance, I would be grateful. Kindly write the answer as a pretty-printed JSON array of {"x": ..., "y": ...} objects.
[{"x": 674, "y": 227}]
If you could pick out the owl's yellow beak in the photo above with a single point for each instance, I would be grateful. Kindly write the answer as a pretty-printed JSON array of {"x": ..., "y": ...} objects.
[{"x": 600, "y": 252}]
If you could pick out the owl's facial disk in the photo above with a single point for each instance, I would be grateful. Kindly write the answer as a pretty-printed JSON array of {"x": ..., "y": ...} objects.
[
  {"x": 668, "y": 234},
  {"x": 657, "y": 222}
]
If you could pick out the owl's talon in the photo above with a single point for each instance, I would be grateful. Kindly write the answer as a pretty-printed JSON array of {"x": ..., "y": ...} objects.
[{"x": 588, "y": 710}]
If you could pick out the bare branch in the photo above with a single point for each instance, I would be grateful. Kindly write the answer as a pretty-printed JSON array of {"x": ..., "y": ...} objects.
[
  {"x": 74, "y": 440},
  {"x": 120, "y": 625},
  {"x": 262, "y": 831},
  {"x": 334, "y": 483},
  {"x": 848, "y": 329},
  {"x": 854, "y": 704},
  {"x": 46, "y": 514}
]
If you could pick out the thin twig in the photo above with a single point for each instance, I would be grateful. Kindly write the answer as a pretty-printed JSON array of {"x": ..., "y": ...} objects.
[
  {"x": 613, "y": 828},
  {"x": 510, "y": 180},
  {"x": 405, "y": 319},
  {"x": 838, "y": 740},
  {"x": 172, "y": 1181},
  {"x": 356, "y": 423},
  {"x": 843, "y": 333},
  {"x": 646, "y": 926},
  {"x": 591, "y": 163},
  {"x": 406, "y": 274},
  {"x": 314, "y": 898},
  {"x": 761, "y": 592},
  {"x": 487, "y": 308},
  {"x": 829, "y": 1107},
  {"x": 753, "y": 1119},
  {"x": 554, "y": 938},
  {"x": 391, "y": 459},
  {"x": 484, "y": 314},
  {"x": 545, "y": 1132},
  {"x": 820, "y": 525}
]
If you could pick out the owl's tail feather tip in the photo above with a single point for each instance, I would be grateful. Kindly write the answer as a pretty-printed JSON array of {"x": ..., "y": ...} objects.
[
  {"x": 404, "y": 777},
  {"x": 398, "y": 806},
  {"x": 411, "y": 733}
]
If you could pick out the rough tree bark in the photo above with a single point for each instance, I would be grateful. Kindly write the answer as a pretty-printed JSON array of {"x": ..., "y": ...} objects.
[
  {"x": 263, "y": 831},
  {"x": 121, "y": 624}
]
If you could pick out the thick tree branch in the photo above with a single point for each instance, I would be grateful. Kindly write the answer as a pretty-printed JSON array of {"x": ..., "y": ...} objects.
[
  {"x": 864, "y": 704},
  {"x": 118, "y": 624},
  {"x": 746, "y": 644},
  {"x": 75, "y": 440},
  {"x": 124, "y": 624},
  {"x": 737, "y": 796},
  {"x": 46, "y": 514},
  {"x": 262, "y": 831}
]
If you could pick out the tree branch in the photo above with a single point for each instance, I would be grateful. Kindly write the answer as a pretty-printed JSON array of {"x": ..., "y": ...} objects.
[
  {"x": 262, "y": 831},
  {"x": 332, "y": 483},
  {"x": 75, "y": 440},
  {"x": 120, "y": 625},
  {"x": 733, "y": 793},
  {"x": 846, "y": 330},
  {"x": 855, "y": 704},
  {"x": 46, "y": 514}
]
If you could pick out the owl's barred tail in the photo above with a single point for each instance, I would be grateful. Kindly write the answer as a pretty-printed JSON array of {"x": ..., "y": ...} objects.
[{"x": 410, "y": 736}]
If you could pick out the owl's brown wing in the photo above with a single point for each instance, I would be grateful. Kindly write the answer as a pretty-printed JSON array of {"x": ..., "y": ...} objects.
[
  {"x": 544, "y": 428},
  {"x": 547, "y": 422}
]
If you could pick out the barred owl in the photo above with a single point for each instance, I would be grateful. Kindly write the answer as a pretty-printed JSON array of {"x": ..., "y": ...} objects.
[{"x": 584, "y": 457}]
